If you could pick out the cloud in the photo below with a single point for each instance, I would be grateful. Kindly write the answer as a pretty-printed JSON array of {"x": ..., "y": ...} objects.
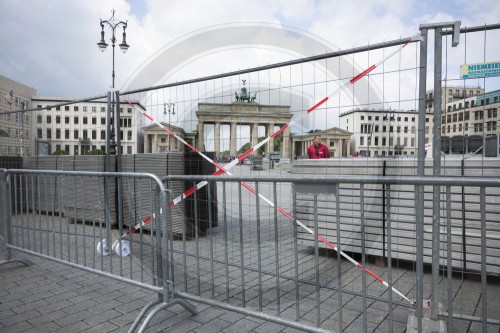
[{"x": 52, "y": 45}]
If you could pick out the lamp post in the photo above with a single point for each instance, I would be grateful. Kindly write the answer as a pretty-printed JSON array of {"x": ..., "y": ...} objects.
[
  {"x": 113, "y": 24},
  {"x": 165, "y": 113},
  {"x": 113, "y": 121}
]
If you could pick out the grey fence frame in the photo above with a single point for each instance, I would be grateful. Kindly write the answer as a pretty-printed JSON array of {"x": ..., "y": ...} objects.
[
  {"x": 330, "y": 184},
  {"x": 159, "y": 243}
]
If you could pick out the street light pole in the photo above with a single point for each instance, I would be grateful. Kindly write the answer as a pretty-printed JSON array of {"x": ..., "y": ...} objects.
[
  {"x": 114, "y": 121},
  {"x": 113, "y": 24},
  {"x": 173, "y": 113}
]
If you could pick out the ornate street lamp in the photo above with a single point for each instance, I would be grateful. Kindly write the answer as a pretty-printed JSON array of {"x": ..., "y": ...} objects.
[
  {"x": 165, "y": 113},
  {"x": 113, "y": 24}
]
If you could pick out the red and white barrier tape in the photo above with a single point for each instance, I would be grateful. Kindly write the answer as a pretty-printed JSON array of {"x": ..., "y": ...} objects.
[{"x": 230, "y": 165}]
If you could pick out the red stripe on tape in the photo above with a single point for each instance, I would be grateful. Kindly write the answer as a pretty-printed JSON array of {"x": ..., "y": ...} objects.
[
  {"x": 279, "y": 131},
  {"x": 244, "y": 155},
  {"x": 317, "y": 105},
  {"x": 363, "y": 73}
]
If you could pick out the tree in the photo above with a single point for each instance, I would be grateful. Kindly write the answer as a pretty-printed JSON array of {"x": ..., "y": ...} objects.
[
  {"x": 60, "y": 152},
  {"x": 244, "y": 148},
  {"x": 96, "y": 152}
]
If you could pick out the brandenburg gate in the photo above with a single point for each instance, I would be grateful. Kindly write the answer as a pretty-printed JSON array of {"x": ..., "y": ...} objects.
[{"x": 243, "y": 111}]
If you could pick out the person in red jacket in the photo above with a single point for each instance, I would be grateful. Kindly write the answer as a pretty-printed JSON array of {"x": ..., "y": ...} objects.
[{"x": 317, "y": 149}]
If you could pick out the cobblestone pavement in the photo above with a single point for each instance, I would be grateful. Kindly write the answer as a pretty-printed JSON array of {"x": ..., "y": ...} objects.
[{"x": 52, "y": 297}]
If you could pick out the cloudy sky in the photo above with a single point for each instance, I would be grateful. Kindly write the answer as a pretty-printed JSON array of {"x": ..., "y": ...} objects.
[{"x": 50, "y": 45}]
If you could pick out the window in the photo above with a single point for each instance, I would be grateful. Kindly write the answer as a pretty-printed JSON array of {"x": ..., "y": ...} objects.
[
  {"x": 103, "y": 121},
  {"x": 94, "y": 134},
  {"x": 66, "y": 148},
  {"x": 75, "y": 134},
  {"x": 49, "y": 133},
  {"x": 399, "y": 118},
  {"x": 376, "y": 128},
  {"x": 362, "y": 140},
  {"x": 384, "y": 128},
  {"x": 384, "y": 141},
  {"x": 84, "y": 109},
  {"x": 75, "y": 120},
  {"x": 398, "y": 129},
  {"x": 163, "y": 140},
  {"x": 85, "y": 134},
  {"x": 369, "y": 117},
  {"x": 75, "y": 108},
  {"x": 58, "y": 133},
  {"x": 129, "y": 149},
  {"x": 412, "y": 142},
  {"x": 66, "y": 120},
  {"x": 362, "y": 117},
  {"x": 39, "y": 133},
  {"x": 94, "y": 109},
  {"x": 75, "y": 147},
  {"x": 58, "y": 119},
  {"x": 466, "y": 115},
  {"x": 94, "y": 121},
  {"x": 406, "y": 118},
  {"x": 455, "y": 116},
  {"x": 461, "y": 117},
  {"x": 406, "y": 129},
  {"x": 66, "y": 134},
  {"x": 103, "y": 135},
  {"x": 129, "y": 135},
  {"x": 85, "y": 120},
  {"x": 66, "y": 108},
  {"x": 39, "y": 119},
  {"x": 376, "y": 118},
  {"x": 391, "y": 129},
  {"x": 376, "y": 141},
  {"x": 58, "y": 147},
  {"x": 58, "y": 108},
  {"x": 103, "y": 109},
  {"x": 49, "y": 119},
  {"x": 426, "y": 120}
]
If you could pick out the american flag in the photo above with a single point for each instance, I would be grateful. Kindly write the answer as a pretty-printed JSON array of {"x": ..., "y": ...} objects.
[{"x": 8, "y": 97}]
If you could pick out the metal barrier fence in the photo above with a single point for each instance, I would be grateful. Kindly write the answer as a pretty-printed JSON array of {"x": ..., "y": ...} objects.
[
  {"x": 254, "y": 263},
  {"x": 251, "y": 261},
  {"x": 75, "y": 229}
]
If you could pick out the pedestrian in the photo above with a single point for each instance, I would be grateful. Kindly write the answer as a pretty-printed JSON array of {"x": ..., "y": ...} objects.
[{"x": 317, "y": 149}]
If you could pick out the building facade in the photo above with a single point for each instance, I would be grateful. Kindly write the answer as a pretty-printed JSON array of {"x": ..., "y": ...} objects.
[
  {"x": 157, "y": 140},
  {"x": 16, "y": 133},
  {"x": 78, "y": 128},
  {"x": 476, "y": 115},
  {"x": 384, "y": 132}
]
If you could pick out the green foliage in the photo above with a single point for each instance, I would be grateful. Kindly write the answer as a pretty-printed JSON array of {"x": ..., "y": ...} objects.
[
  {"x": 96, "y": 152},
  {"x": 244, "y": 148},
  {"x": 60, "y": 152}
]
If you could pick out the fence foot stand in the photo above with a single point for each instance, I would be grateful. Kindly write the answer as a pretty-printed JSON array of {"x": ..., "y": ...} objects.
[
  {"x": 157, "y": 306},
  {"x": 428, "y": 324},
  {"x": 25, "y": 262}
]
